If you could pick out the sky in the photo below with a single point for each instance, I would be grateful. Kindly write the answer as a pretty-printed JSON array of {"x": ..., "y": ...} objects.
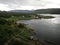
[{"x": 6, "y": 5}]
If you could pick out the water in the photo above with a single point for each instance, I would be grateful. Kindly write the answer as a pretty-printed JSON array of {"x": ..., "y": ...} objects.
[{"x": 48, "y": 30}]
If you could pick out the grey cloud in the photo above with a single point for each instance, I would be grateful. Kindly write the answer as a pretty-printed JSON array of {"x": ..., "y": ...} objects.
[
  {"x": 6, "y": 1},
  {"x": 18, "y": 3},
  {"x": 14, "y": 3},
  {"x": 21, "y": 2}
]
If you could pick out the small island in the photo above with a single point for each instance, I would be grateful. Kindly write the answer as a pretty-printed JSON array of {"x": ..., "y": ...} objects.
[{"x": 29, "y": 17}]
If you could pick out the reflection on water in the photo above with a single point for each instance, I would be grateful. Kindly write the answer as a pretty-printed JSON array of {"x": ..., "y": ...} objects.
[
  {"x": 47, "y": 29},
  {"x": 55, "y": 20}
]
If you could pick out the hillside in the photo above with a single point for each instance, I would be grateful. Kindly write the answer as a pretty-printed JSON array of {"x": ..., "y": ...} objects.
[
  {"x": 22, "y": 11},
  {"x": 41, "y": 11},
  {"x": 48, "y": 11}
]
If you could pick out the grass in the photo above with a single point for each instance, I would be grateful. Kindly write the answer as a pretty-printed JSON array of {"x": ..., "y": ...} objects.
[
  {"x": 12, "y": 33},
  {"x": 28, "y": 17},
  {"x": 46, "y": 17}
]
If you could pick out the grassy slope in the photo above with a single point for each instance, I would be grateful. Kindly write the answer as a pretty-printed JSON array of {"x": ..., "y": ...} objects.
[{"x": 12, "y": 33}]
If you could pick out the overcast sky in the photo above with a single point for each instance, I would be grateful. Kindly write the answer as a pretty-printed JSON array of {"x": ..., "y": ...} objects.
[{"x": 28, "y": 4}]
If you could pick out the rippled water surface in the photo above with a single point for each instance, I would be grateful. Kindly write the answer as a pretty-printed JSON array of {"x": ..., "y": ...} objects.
[{"x": 47, "y": 29}]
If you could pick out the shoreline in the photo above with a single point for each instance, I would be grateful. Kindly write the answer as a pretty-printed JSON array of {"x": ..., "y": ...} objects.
[{"x": 30, "y": 17}]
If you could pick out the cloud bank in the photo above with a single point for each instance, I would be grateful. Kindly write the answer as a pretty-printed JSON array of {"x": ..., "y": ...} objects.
[{"x": 28, "y": 4}]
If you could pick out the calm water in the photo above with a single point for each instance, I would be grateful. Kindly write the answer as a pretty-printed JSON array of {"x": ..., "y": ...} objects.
[{"x": 47, "y": 29}]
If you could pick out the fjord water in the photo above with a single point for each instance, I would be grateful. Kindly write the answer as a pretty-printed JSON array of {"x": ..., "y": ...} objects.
[{"x": 48, "y": 30}]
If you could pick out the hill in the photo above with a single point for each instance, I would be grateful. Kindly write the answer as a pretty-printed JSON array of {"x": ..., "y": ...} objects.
[
  {"x": 48, "y": 11},
  {"x": 41, "y": 11},
  {"x": 22, "y": 11}
]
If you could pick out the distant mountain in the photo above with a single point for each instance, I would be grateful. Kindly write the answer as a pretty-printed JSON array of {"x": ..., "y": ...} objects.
[
  {"x": 41, "y": 11},
  {"x": 48, "y": 11},
  {"x": 22, "y": 11}
]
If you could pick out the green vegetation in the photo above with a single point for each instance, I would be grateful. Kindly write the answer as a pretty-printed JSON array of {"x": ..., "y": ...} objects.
[
  {"x": 48, "y": 11},
  {"x": 28, "y": 17},
  {"x": 22, "y": 16},
  {"x": 13, "y": 33},
  {"x": 45, "y": 17}
]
